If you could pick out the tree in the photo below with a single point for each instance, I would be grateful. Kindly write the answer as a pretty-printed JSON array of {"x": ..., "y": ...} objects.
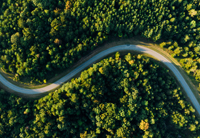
[
  {"x": 192, "y": 12},
  {"x": 21, "y": 23},
  {"x": 67, "y": 5},
  {"x": 193, "y": 24},
  {"x": 192, "y": 127},
  {"x": 144, "y": 125},
  {"x": 57, "y": 41},
  {"x": 120, "y": 132},
  {"x": 84, "y": 75},
  {"x": 117, "y": 55},
  {"x": 15, "y": 38},
  {"x": 185, "y": 39}
]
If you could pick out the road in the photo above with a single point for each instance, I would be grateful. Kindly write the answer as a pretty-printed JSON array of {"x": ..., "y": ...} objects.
[{"x": 99, "y": 56}]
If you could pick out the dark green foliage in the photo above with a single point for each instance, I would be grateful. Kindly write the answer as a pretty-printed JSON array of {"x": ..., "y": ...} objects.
[
  {"x": 135, "y": 98},
  {"x": 81, "y": 25}
]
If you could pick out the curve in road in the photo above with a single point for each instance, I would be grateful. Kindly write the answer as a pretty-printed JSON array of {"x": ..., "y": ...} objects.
[{"x": 99, "y": 56}]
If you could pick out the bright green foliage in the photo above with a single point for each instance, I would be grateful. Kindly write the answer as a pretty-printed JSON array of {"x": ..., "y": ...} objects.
[
  {"x": 193, "y": 24},
  {"x": 145, "y": 103},
  {"x": 21, "y": 23},
  {"x": 192, "y": 127},
  {"x": 63, "y": 31},
  {"x": 15, "y": 38}
]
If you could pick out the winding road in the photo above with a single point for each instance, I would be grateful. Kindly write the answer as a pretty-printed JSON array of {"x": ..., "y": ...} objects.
[{"x": 99, "y": 56}]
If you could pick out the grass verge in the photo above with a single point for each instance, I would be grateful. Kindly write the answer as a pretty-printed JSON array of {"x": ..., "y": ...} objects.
[{"x": 136, "y": 40}]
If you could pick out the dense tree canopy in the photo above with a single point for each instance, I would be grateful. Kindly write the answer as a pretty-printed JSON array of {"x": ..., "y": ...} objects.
[
  {"x": 129, "y": 96},
  {"x": 38, "y": 36},
  {"x": 120, "y": 97}
]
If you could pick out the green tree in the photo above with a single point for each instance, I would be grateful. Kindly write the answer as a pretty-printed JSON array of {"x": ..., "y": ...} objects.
[
  {"x": 21, "y": 23},
  {"x": 15, "y": 38}
]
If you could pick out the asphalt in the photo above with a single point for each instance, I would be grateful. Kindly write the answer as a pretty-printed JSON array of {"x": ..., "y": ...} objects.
[{"x": 99, "y": 56}]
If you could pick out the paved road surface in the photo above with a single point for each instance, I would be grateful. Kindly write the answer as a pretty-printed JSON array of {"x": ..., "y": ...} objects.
[{"x": 100, "y": 55}]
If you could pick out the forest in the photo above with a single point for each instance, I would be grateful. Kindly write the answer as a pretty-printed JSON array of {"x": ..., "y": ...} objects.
[
  {"x": 118, "y": 97},
  {"x": 39, "y": 36}
]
